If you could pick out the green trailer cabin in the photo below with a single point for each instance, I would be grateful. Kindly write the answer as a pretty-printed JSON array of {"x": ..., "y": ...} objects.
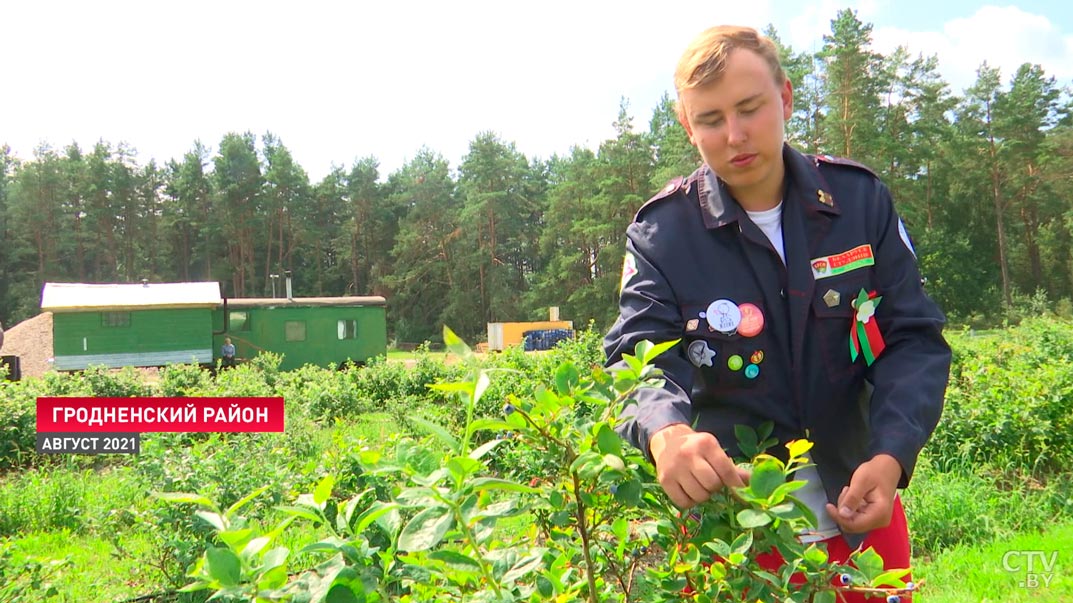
[
  {"x": 130, "y": 325},
  {"x": 309, "y": 330}
]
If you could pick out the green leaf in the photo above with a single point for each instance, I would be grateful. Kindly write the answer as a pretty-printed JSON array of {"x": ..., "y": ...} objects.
[
  {"x": 275, "y": 558},
  {"x": 608, "y": 441},
  {"x": 719, "y": 547},
  {"x": 455, "y": 560},
  {"x": 746, "y": 440},
  {"x": 483, "y": 449},
  {"x": 184, "y": 497},
  {"x": 482, "y": 385},
  {"x": 214, "y": 519},
  {"x": 742, "y": 543},
  {"x": 272, "y": 578},
  {"x": 464, "y": 387},
  {"x": 787, "y": 510},
  {"x": 524, "y": 566},
  {"x": 343, "y": 593},
  {"x": 634, "y": 363},
  {"x": 545, "y": 587},
  {"x": 890, "y": 578},
  {"x": 654, "y": 351},
  {"x": 503, "y": 508},
  {"x": 494, "y": 483},
  {"x": 254, "y": 546},
  {"x": 566, "y": 378},
  {"x": 303, "y": 512},
  {"x": 766, "y": 477},
  {"x": 437, "y": 430},
  {"x": 516, "y": 421},
  {"x": 765, "y": 429},
  {"x": 753, "y": 518},
  {"x": 323, "y": 490},
  {"x": 869, "y": 562},
  {"x": 629, "y": 492},
  {"x": 236, "y": 539},
  {"x": 373, "y": 513},
  {"x": 462, "y": 467},
  {"x": 238, "y": 505},
  {"x": 785, "y": 488},
  {"x": 223, "y": 565},
  {"x": 426, "y": 529},
  {"x": 454, "y": 343}
]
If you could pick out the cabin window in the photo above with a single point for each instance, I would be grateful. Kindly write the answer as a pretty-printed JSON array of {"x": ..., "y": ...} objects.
[
  {"x": 115, "y": 319},
  {"x": 294, "y": 330},
  {"x": 238, "y": 321},
  {"x": 348, "y": 328}
]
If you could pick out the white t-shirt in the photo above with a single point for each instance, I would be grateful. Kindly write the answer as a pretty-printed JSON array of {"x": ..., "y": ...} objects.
[
  {"x": 813, "y": 495},
  {"x": 770, "y": 221}
]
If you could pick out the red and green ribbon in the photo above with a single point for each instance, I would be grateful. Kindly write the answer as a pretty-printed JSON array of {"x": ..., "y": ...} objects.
[{"x": 864, "y": 337}]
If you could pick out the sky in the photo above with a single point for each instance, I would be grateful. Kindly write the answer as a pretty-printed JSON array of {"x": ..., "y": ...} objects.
[{"x": 337, "y": 81}]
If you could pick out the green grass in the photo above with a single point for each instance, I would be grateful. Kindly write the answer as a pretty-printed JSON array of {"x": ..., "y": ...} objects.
[
  {"x": 95, "y": 570},
  {"x": 401, "y": 355},
  {"x": 975, "y": 574}
]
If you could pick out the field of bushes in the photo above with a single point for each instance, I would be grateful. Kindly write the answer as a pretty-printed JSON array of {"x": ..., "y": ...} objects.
[{"x": 499, "y": 484}]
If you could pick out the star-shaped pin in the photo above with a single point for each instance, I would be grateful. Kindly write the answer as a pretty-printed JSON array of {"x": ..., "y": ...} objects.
[{"x": 700, "y": 354}]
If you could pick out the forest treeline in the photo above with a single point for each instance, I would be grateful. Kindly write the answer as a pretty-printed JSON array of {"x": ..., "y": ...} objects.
[{"x": 983, "y": 181}]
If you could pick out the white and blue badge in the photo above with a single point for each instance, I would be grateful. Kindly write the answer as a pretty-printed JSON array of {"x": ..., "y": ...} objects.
[{"x": 905, "y": 237}]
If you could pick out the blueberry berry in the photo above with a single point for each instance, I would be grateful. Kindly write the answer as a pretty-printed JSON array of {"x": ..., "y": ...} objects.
[
  {"x": 910, "y": 586},
  {"x": 508, "y": 408},
  {"x": 845, "y": 578},
  {"x": 614, "y": 488},
  {"x": 894, "y": 599}
]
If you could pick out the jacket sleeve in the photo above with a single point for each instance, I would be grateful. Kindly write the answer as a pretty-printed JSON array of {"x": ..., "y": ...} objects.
[
  {"x": 910, "y": 376},
  {"x": 648, "y": 311}
]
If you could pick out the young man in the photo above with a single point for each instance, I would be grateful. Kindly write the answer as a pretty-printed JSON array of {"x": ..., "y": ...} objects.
[{"x": 795, "y": 292}]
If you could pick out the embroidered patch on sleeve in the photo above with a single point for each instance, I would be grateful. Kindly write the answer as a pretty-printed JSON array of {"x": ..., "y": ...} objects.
[{"x": 841, "y": 263}]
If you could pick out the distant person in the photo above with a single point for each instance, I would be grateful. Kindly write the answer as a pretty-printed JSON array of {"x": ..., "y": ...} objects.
[{"x": 227, "y": 353}]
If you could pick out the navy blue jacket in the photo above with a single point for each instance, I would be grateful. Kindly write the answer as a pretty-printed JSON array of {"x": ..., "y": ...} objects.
[{"x": 692, "y": 244}]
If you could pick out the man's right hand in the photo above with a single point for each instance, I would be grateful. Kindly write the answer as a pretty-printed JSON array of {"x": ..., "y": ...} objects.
[{"x": 691, "y": 465}]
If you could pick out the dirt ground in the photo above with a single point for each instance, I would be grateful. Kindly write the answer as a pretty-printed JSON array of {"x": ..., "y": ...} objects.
[{"x": 31, "y": 341}]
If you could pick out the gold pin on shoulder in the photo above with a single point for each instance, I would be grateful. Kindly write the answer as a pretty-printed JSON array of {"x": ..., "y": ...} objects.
[{"x": 825, "y": 197}]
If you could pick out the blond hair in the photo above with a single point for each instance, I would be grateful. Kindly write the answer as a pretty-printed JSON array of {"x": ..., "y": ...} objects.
[{"x": 705, "y": 59}]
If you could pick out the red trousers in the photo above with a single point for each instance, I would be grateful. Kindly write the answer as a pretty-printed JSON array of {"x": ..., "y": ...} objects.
[{"x": 891, "y": 542}]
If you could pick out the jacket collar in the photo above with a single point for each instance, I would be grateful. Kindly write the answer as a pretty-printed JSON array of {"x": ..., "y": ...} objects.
[{"x": 804, "y": 183}]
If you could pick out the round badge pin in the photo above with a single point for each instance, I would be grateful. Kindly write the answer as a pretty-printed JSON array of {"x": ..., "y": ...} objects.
[
  {"x": 723, "y": 315},
  {"x": 752, "y": 371},
  {"x": 735, "y": 362},
  {"x": 752, "y": 320},
  {"x": 757, "y": 357}
]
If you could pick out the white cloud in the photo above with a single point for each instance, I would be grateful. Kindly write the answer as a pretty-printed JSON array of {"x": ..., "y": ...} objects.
[{"x": 1006, "y": 37}]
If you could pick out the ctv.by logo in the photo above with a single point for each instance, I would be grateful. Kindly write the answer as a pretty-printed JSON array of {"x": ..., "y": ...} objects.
[{"x": 1037, "y": 566}]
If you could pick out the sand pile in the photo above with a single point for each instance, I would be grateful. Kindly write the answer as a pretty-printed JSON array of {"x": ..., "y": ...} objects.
[{"x": 31, "y": 341}]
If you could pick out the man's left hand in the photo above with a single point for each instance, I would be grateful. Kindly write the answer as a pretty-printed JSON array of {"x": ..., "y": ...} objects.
[{"x": 867, "y": 503}]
